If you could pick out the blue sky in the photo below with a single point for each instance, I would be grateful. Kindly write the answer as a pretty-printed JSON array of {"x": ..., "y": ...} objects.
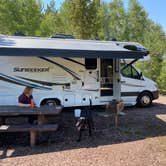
[{"x": 155, "y": 9}]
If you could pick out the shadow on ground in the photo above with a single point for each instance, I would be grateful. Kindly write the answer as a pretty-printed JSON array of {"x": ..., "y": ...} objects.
[{"x": 137, "y": 124}]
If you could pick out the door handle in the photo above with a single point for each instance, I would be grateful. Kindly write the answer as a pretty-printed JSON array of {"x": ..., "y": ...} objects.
[{"x": 123, "y": 81}]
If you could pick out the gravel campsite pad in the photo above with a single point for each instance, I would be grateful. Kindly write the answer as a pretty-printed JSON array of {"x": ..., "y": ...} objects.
[{"x": 140, "y": 140}]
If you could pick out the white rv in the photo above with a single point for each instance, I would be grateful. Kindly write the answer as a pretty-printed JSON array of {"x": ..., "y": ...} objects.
[{"x": 69, "y": 72}]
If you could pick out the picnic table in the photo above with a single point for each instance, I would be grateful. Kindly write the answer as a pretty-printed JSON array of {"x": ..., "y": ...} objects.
[{"x": 42, "y": 114}]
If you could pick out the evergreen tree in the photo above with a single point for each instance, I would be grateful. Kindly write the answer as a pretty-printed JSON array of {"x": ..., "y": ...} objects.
[
  {"x": 154, "y": 40},
  {"x": 51, "y": 22},
  {"x": 101, "y": 24},
  {"x": 136, "y": 21},
  {"x": 82, "y": 16},
  {"x": 117, "y": 25},
  {"x": 65, "y": 17},
  {"x": 20, "y": 15},
  {"x": 162, "y": 77}
]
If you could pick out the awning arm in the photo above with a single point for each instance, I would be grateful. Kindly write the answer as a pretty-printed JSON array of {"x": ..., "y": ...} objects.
[{"x": 128, "y": 64}]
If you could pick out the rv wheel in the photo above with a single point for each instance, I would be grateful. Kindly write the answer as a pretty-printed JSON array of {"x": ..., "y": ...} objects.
[
  {"x": 144, "y": 99},
  {"x": 51, "y": 103}
]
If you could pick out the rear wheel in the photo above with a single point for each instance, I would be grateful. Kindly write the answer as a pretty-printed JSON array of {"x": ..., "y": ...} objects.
[
  {"x": 144, "y": 99},
  {"x": 51, "y": 102}
]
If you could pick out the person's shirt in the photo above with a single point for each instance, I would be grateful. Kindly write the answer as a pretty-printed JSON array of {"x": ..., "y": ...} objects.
[{"x": 25, "y": 99}]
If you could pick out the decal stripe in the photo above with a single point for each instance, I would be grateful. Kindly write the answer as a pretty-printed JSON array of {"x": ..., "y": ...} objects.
[
  {"x": 72, "y": 60},
  {"x": 44, "y": 82},
  {"x": 75, "y": 75},
  {"x": 20, "y": 82}
]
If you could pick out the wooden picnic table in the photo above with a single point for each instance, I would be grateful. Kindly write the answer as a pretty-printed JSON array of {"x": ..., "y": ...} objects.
[
  {"x": 17, "y": 110},
  {"x": 41, "y": 112}
]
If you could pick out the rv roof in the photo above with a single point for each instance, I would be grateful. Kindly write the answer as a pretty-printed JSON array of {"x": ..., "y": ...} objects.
[{"x": 37, "y": 46}]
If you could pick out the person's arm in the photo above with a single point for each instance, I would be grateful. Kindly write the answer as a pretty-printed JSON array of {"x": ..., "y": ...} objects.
[{"x": 24, "y": 105}]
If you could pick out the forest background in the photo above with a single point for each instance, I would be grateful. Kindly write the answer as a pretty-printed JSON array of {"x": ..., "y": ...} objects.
[{"x": 91, "y": 19}]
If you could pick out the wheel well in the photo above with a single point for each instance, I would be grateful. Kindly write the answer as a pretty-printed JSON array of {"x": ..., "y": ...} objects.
[
  {"x": 146, "y": 91},
  {"x": 54, "y": 99}
]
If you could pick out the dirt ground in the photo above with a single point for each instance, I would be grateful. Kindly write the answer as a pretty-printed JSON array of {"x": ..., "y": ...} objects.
[{"x": 140, "y": 140}]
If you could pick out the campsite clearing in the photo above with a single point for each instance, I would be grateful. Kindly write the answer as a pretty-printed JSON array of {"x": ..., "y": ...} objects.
[{"x": 139, "y": 141}]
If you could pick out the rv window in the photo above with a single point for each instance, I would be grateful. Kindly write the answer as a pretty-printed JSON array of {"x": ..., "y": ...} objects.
[
  {"x": 127, "y": 72},
  {"x": 91, "y": 64},
  {"x": 135, "y": 74},
  {"x": 130, "y": 72}
]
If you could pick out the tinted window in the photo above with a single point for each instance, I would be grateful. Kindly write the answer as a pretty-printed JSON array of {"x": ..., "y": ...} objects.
[
  {"x": 91, "y": 64},
  {"x": 130, "y": 72},
  {"x": 135, "y": 73}
]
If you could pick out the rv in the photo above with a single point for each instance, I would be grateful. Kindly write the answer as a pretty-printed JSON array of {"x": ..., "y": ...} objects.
[{"x": 69, "y": 72}]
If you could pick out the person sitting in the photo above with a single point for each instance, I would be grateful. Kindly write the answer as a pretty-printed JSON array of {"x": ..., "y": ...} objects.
[
  {"x": 26, "y": 100},
  {"x": 26, "y": 97}
]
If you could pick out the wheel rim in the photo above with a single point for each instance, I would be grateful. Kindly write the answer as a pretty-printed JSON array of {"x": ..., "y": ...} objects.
[
  {"x": 51, "y": 103},
  {"x": 145, "y": 100}
]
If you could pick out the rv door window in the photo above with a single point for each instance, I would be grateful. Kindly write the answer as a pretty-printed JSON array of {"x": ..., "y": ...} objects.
[
  {"x": 91, "y": 64},
  {"x": 135, "y": 74}
]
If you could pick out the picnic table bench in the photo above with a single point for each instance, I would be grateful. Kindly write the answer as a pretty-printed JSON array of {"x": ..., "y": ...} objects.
[{"x": 41, "y": 112}]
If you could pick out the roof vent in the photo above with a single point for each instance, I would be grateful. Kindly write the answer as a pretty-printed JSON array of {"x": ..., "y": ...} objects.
[
  {"x": 131, "y": 47},
  {"x": 19, "y": 34},
  {"x": 63, "y": 36},
  {"x": 136, "y": 48}
]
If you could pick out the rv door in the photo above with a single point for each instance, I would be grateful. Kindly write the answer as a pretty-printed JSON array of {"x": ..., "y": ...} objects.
[{"x": 106, "y": 77}]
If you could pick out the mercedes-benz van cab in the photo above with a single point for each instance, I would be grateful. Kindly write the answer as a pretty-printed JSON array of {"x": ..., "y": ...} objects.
[{"x": 136, "y": 88}]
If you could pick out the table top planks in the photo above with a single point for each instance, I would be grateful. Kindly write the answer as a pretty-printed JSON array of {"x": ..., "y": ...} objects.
[{"x": 17, "y": 110}]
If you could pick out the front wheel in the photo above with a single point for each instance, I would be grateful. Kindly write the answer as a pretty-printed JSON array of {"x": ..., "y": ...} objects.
[{"x": 144, "y": 99}]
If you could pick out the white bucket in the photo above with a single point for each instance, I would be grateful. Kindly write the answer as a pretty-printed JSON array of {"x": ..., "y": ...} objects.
[{"x": 77, "y": 113}]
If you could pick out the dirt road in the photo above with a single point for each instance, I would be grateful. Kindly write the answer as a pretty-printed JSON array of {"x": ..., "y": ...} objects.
[{"x": 140, "y": 140}]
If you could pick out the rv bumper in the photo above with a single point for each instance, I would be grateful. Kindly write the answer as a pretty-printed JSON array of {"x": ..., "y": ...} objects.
[{"x": 155, "y": 95}]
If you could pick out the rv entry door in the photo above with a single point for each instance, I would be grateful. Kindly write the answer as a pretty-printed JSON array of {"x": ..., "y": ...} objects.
[{"x": 106, "y": 75}]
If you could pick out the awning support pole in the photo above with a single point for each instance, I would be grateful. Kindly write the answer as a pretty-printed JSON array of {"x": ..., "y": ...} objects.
[{"x": 116, "y": 79}]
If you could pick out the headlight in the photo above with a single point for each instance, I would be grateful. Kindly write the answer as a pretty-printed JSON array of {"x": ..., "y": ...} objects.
[{"x": 156, "y": 86}]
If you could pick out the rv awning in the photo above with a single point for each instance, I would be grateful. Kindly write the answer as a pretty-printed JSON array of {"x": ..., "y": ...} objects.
[{"x": 43, "y": 47}]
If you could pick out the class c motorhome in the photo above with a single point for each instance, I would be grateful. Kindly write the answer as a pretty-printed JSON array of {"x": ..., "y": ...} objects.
[{"x": 69, "y": 72}]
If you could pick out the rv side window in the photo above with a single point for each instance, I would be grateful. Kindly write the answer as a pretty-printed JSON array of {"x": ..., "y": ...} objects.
[
  {"x": 90, "y": 64},
  {"x": 126, "y": 72}
]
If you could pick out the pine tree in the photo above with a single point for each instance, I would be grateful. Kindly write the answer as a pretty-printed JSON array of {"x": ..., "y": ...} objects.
[
  {"x": 117, "y": 24},
  {"x": 101, "y": 23},
  {"x": 81, "y": 16},
  {"x": 154, "y": 40},
  {"x": 51, "y": 22},
  {"x": 20, "y": 15},
  {"x": 137, "y": 19},
  {"x": 162, "y": 77},
  {"x": 65, "y": 17}
]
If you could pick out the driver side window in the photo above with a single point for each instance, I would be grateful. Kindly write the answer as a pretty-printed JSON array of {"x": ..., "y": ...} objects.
[{"x": 130, "y": 72}]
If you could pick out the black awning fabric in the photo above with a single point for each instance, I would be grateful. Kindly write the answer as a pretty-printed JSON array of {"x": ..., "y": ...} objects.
[{"x": 71, "y": 53}]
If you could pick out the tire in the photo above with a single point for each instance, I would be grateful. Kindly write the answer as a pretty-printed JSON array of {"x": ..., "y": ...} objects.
[
  {"x": 51, "y": 103},
  {"x": 144, "y": 99}
]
